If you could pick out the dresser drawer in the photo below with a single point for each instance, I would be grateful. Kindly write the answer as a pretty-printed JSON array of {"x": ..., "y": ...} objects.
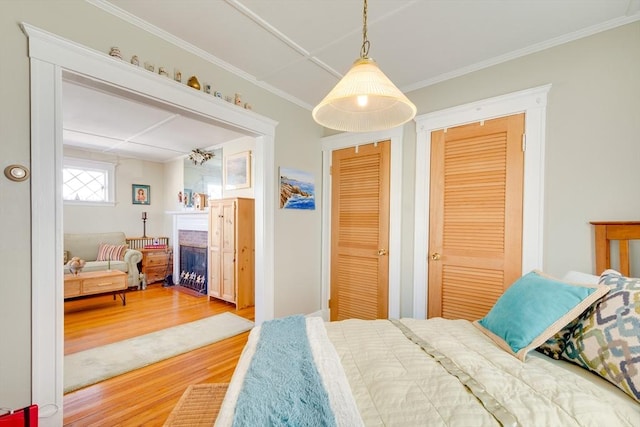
[
  {"x": 155, "y": 274},
  {"x": 104, "y": 284},
  {"x": 152, "y": 259}
]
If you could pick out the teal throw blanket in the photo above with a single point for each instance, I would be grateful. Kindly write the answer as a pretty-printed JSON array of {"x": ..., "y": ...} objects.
[{"x": 282, "y": 386}]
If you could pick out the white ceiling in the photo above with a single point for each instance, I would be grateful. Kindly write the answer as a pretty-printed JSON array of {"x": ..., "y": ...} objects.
[
  {"x": 299, "y": 49},
  {"x": 97, "y": 118}
]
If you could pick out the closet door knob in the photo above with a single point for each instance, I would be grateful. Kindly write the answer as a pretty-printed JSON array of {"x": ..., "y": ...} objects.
[
  {"x": 435, "y": 256},
  {"x": 382, "y": 252}
]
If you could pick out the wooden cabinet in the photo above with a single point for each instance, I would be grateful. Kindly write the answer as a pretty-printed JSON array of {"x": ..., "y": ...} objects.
[
  {"x": 156, "y": 264},
  {"x": 96, "y": 282},
  {"x": 232, "y": 251}
]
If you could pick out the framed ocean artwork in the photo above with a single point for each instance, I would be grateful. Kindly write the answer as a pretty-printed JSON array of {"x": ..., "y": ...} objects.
[{"x": 297, "y": 189}]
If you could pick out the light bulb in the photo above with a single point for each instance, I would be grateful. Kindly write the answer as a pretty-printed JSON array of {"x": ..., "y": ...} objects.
[{"x": 363, "y": 100}]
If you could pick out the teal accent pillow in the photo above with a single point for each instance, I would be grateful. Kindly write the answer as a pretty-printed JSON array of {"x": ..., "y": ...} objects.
[{"x": 533, "y": 309}]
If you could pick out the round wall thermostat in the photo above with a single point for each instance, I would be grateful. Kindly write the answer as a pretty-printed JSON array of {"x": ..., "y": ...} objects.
[{"x": 16, "y": 173}]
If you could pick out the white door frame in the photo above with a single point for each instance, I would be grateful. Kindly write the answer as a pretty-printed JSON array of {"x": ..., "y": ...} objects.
[
  {"x": 346, "y": 140},
  {"x": 532, "y": 102},
  {"x": 50, "y": 57}
]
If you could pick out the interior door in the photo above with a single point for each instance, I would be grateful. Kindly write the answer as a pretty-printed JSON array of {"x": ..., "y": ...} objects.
[
  {"x": 360, "y": 232},
  {"x": 475, "y": 224}
]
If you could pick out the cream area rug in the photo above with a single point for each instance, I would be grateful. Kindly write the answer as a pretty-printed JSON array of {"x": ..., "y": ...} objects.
[{"x": 97, "y": 364}]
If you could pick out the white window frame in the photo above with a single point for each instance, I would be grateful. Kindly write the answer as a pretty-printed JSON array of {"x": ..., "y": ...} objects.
[{"x": 110, "y": 170}]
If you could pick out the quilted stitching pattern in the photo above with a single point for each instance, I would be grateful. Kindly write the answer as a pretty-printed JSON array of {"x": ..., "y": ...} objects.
[{"x": 396, "y": 384}]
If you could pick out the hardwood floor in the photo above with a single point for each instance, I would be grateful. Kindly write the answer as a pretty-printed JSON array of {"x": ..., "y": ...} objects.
[{"x": 146, "y": 396}]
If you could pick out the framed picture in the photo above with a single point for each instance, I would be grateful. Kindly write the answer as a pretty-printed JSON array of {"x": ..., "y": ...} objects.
[
  {"x": 297, "y": 189},
  {"x": 140, "y": 194},
  {"x": 188, "y": 198},
  {"x": 237, "y": 169}
]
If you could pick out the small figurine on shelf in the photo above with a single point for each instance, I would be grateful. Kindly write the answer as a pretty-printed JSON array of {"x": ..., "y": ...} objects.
[
  {"x": 247, "y": 106},
  {"x": 193, "y": 82},
  {"x": 135, "y": 61},
  {"x": 177, "y": 75},
  {"x": 163, "y": 72},
  {"x": 115, "y": 52},
  {"x": 149, "y": 66},
  {"x": 238, "y": 99}
]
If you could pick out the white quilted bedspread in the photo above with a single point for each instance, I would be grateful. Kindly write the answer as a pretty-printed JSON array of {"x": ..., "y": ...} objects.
[{"x": 396, "y": 384}]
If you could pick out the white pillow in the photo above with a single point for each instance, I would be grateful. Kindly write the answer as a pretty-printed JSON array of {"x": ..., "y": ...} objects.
[{"x": 579, "y": 277}]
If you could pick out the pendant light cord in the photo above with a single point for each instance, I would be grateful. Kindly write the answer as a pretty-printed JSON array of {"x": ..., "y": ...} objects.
[{"x": 364, "y": 50}]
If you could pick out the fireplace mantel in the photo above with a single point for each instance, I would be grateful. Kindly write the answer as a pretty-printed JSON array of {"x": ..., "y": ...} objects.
[{"x": 187, "y": 220}]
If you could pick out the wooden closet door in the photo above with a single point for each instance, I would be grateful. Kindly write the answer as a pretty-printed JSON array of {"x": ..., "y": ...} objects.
[
  {"x": 360, "y": 232},
  {"x": 475, "y": 225}
]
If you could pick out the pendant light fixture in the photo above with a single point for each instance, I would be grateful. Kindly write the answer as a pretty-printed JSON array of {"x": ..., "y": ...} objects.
[{"x": 365, "y": 100}]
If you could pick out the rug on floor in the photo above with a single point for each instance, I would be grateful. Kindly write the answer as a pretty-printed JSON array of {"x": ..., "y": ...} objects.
[
  {"x": 198, "y": 406},
  {"x": 98, "y": 364}
]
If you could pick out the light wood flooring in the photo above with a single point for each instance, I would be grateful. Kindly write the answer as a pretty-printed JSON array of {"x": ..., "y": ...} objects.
[{"x": 146, "y": 396}]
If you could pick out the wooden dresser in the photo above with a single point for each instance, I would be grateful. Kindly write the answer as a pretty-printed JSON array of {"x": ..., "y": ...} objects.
[{"x": 156, "y": 264}]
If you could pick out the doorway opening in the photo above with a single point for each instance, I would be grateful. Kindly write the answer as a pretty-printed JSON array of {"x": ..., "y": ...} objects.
[{"x": 50, "y": 57}]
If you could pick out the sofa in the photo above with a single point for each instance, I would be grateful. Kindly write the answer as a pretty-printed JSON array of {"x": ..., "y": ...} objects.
[{"x": 87, "y": 246}]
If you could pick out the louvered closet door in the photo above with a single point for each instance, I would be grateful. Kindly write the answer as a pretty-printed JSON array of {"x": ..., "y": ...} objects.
[
  {"x": 360, "y": 232},
  {"x": 475, "y": 225}
]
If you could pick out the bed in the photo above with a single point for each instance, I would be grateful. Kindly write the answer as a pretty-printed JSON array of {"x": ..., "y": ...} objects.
[{"x": 551, "y": 352}]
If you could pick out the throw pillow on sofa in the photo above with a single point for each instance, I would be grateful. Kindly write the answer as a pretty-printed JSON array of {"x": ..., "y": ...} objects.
[{"x": 107, "y": 252}]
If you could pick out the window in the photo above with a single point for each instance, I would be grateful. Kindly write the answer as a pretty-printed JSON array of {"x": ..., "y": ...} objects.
[{"x": 87, "y": 181}]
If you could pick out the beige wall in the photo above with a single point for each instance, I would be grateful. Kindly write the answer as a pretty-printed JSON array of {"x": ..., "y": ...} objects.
[{"x": 87, "y": 25}]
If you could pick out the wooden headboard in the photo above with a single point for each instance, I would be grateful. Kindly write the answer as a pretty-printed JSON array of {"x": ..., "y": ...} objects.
[{"x": 605, "y": 231}]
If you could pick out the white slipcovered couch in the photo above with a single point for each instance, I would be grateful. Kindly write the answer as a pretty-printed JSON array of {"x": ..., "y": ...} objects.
[{"x": 86, "y": 245}]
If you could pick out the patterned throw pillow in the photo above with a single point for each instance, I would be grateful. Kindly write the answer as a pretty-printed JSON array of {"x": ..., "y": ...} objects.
[
  {"x": 107, "y": 252},
  {"x": 606, "y": 338},
  {"x": 555, "y": 345}
]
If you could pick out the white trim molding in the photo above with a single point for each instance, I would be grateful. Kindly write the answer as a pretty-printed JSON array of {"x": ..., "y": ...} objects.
[
  {"x": 51, "y": 58},
  {"x": 345, "y": 140},
  {"x": 532, "y": 102}
]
